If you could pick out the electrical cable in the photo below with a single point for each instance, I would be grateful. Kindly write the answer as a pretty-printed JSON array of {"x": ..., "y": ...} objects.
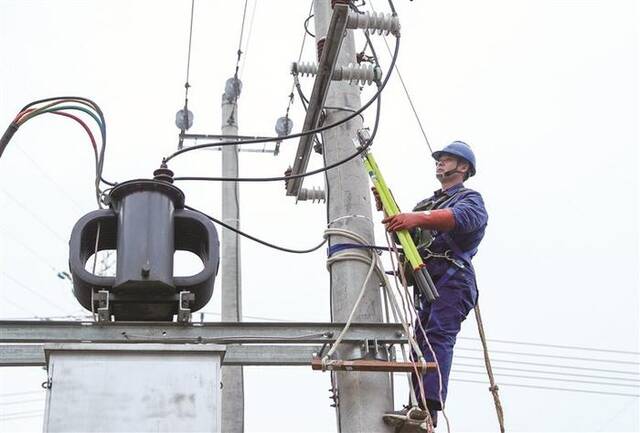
[
  {"x": 13, "y": 394},
  {"x": 12, "y": 418},
  {"x": 550, "y": 379},
  {"x": 30, "y": 250},
  {"x": 31, "y": 110},
  {"x": 406, "y": 91},
  {"x": 19, "y": 307},
  {"x": 185, "y": 110},
  {"x": 551, "y": 388},
  {"x": 557, "y": 373},
  {"x": 36, "y": 217},
  {"x": 552, "y": 365},
  {"x": 306, "y": 26},
  {"x": 48, "y": 301},
  {"x": 557, "y": 346},
  {"x": 246, "y": 45},
  {"x": 51, "y": 180},
  {"x": 239, "y": 53},
  {"x": 11, "y": 414},
  {"x": 290, "y": 136},
  {"x": 255, "y": 239},
  {"x": 11, "y": 403},
  {"x": 295, "y": 78},
  {"x": 554, "y": 356},
  {"x": 186, "y": 82}
]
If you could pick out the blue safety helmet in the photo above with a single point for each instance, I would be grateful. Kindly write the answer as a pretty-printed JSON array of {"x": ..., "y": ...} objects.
[{"x": 459, "y": 149}]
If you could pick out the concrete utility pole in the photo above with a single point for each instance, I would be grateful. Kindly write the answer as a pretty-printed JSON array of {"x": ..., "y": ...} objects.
[
  {"x": 363, "y": 396},
  {"x": 232, "y": 377}
]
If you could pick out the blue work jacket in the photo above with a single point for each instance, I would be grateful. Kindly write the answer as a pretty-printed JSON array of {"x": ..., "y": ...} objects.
[{"x": 470, "y": 218}]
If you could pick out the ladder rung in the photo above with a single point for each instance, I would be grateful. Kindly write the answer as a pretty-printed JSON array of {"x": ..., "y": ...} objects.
[{"x": 371, "y": 365}]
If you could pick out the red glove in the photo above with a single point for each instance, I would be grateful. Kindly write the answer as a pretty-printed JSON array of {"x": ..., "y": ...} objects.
[{"x": 439, "y": 219}]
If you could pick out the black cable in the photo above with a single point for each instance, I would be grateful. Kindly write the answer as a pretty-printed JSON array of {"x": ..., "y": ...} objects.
[
  {"x": 306, "y": 26},
  {"x": 253, "y": 238},
  {"x": 300, "y": 134}
]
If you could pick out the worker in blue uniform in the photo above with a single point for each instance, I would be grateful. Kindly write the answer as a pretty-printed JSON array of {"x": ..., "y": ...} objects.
[{"x": 447, "y": 228}]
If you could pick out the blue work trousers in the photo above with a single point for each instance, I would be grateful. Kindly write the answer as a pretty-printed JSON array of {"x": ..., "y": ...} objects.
[{"x": 441, "y": 321}]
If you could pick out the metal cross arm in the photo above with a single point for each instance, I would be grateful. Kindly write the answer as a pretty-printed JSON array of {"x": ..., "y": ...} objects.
[
  {"x": 327, "y": 64},
  {"x": 23, "y": 331},
  {"x": 265, "y": 355},
  {"x": 372, "y": 365}
]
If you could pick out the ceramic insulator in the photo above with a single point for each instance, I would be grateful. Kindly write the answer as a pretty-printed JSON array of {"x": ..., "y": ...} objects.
[
  {"x": 380, "y": 22},
  {"x": 315, "y": 194},
  {"x": 354, "y": 73}
]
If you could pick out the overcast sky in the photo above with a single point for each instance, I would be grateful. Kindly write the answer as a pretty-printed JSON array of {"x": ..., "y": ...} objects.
[{"x": 546, "y": 93}]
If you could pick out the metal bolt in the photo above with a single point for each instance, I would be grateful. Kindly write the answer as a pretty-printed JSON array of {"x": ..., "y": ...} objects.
[{"x": 146, "y": 269}]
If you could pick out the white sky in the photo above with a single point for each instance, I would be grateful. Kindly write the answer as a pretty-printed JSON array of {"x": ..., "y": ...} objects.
[{"x": 546, "y": 92}]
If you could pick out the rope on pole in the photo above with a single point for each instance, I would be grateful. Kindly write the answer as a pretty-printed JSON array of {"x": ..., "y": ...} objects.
[{"x": 487, "y": 362}]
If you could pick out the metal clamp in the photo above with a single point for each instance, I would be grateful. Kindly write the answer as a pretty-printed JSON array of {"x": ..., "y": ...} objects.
[
  {"x": 100, "y": 301},
  {"x": 184, "y": 311},
  {"x": 371, "y": 349}
]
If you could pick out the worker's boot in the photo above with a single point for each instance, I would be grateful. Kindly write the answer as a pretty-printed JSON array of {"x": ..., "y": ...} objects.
[
  {"x": 434, "y": 417},
  {"x": 406, "y": 420}
]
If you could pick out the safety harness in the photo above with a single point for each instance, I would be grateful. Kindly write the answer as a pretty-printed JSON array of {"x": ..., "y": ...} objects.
[{"x": 423, "y": 238}]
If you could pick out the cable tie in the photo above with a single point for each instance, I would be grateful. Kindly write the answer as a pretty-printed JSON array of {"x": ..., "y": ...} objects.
[{"x": 494, "y": 388}]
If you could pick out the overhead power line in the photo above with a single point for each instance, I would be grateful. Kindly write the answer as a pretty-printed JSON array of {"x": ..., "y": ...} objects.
[
  {"x": 11, "y": 414},
  {"x": 13, "y": 394},
  {"x": 557, "y": 373},
  {"x": 553, "y": 379},
  {"x": 48, "y": 301},
  {"x": 557, "y": 346},
  {"x": 20, "y": 307},
  {"x": 10, "y": 403},
  {"x": 246, "y": 45},
  {"x": 12, "y": 418},
  {"x": 540, "y": 355},
  {"x": 406, "y": 91},
  {"x": 239, "y": 53},
  {"x": 551, "y": 388},
  {"x": 35, "y": 216},
  {"x": 33, "y": 252},
  {"x": 573, "y": 367},
  {"x": 44, "y": 174},
  {"x": 186, "y": 85},
  {"x": 374, "y": 98}
]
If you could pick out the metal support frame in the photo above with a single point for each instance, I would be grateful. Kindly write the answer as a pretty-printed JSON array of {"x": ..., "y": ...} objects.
[
  {"x": 238, "y": 138},
  {"x": 248, "y": 343},
  {"x": 327, "y": 64},
  {"x": 373, "y": 365},
  {"x": 32, "y": 355},
  {"x": 26, "y": 331}
]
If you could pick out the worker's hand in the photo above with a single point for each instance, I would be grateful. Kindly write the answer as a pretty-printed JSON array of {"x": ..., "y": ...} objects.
[
  {"x": 376, "y": 195},
  {"x": 440, "y": 219},
  {"x": 405, "y": 221}
]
